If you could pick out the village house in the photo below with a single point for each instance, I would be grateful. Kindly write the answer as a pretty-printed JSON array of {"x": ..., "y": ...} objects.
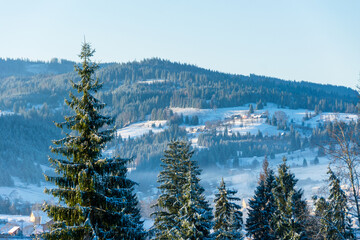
[{"x": 37, "y": 223}]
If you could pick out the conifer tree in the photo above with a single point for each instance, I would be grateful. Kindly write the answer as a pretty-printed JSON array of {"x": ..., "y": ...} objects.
[
  {"x": 322, "y": 215},
  {"x": 228, "y": 217},
  {"x": 96, "y": 199},
  {"x": 291, "y": 214},
  {"x": 179, "y": 196},
  {"x": 290, "y": 225},
  {"x": 251, "y": 109},
  {"x": 335, "y": 220},
  {"x": 193, "y": 218},
  {"x": 259, "y": 223},
  {"x": 259, "y": 105}
]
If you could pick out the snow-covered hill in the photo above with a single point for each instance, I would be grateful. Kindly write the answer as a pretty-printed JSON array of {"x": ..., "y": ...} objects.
[{"x": 237, "y": 120}]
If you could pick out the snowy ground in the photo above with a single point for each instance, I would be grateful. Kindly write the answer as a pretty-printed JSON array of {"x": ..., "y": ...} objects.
[
  {"x": 230, "y": 117},
  {"x": 27, "y": 192},
  {"x": 4, "y": 113},
  {"x": 245, "y": 180},
  {"x": 141, "y": 128},
  {"x": 152, "y": 81},
  {"x": 14, "y": 218},
  {"x": 294, "y": 115}
]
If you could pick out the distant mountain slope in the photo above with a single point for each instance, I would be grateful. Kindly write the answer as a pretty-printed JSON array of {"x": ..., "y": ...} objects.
[{"x": 183, "y": 85}]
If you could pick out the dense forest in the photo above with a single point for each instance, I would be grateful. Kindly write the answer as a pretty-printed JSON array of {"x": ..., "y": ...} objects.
[{"x": 130, "y": 98}]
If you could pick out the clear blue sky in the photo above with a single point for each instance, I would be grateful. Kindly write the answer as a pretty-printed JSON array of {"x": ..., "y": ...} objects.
[{"x": 311, "y": 40}]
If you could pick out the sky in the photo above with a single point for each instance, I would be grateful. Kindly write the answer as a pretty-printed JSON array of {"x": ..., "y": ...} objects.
[{"x": 307, "y": 40}]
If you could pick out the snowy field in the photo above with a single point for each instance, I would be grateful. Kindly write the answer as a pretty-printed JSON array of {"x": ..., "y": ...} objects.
[
  {"x": 14, "y": 218},
  {"x": 294, "y": 115},
  {"x": 141, "y": 128},
  {"x": 229, "y": 117},
  {"x": 27, "y": 192}
]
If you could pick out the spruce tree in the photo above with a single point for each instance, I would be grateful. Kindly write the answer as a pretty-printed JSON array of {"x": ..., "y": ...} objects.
[
  {"x": 339, "y": 226},
  {"x": 251, "y": 109},
  {"x": 290, "y": 225},
  {"x": 96, "y": 199},
  {"x": 322, "y": 214},
  {"x": 175, "y": 199},
  {"x": 228, "y": 217},
  {"x": 193, "y": 218},
  {"x": 259, "y": 223},
  {"x": 259, "y": 105},
  {"x": 291, "y": 213}
]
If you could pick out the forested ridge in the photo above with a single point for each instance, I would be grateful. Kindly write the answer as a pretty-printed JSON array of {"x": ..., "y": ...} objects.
[{"x": 129, "y": 100}]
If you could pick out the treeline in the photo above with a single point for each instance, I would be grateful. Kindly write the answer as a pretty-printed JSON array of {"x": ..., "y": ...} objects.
[{"x": 277, "y": 210}]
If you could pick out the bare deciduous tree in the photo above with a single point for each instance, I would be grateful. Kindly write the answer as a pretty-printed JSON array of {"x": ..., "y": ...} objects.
[{"x": 344, "y": 149}]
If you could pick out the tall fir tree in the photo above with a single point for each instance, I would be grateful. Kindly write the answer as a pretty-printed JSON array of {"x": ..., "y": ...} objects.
[
  {"x": 96, "y": 199},
  {"x": 193, "y": 218},
  {"x": 339, "y": 209},
  {"x": 336, "y": 223},
  {"x": 259, "y": 223},
  {"x": 175, "y": 199},
  {"x": 290, "y": 217},
  {"x": 323, "y": 218},
  {"x": 228, "y": 215}
]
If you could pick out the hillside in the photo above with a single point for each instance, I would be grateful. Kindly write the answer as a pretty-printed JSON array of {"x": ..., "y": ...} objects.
[
  {"x": 182, "y": 98},
  {"x": 130, "y": 98}
]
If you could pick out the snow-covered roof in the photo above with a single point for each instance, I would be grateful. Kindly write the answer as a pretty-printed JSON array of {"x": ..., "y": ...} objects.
[
  {"x": 7, "y": 227},
  {"x": 14, "y": 229}
]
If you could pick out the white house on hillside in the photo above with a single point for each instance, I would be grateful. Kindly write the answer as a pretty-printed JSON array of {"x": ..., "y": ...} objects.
[{"x": 39, "y": 217}]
